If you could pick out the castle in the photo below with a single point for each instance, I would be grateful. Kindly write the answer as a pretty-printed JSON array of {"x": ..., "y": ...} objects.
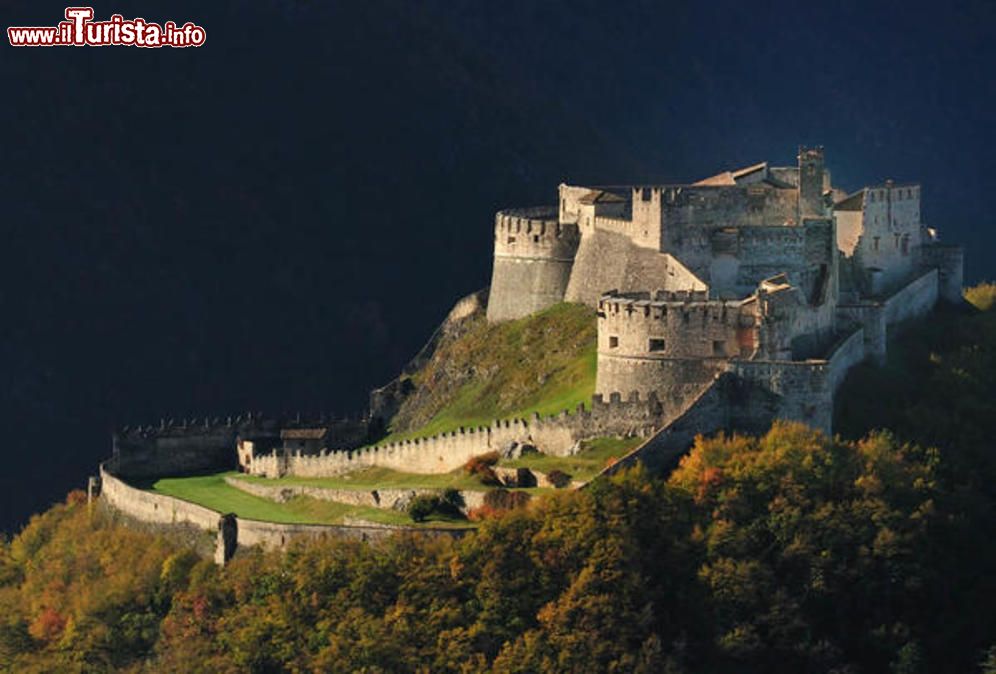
[
  {"x": 769, "y": 274},
  {"x": 721, "y": 304}
]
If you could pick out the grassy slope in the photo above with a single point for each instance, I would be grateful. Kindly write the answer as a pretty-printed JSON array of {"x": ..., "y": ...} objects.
[
  {"x": 212, "y": 492},
  {"x": 544, "y": 363},
  {"x": 595, "y": 455}
]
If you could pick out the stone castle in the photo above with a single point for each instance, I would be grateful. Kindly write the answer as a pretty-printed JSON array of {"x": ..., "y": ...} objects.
[{"x": 721, "y": 304}]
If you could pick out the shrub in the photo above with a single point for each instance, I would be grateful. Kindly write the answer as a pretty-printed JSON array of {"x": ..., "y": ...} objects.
[
  {"x": 482, "y": 467},
  {"x": 422, "y": 506},
  {"x": 451, "y": 503},
  {"x": 558, "y": 478},
  {"x": 983, "y": 296},
  {"x": 497, "y": 503}
]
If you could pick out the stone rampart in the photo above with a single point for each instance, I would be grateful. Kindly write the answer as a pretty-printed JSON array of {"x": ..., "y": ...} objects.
[
  {"x": 846, "y": 354},
  {"x": 636, "y": 414},
  {"x": 159, "y": 510},
  {"x": 154, "y": 508}
]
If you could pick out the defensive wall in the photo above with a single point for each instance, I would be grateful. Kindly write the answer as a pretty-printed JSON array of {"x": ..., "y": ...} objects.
[
  {"x": 197, "y": 446},
  {"x": 747, "y": 398},
  {"x": 556, "y": 435},
  {"x": 609, "y": 259},
  {"x": 875, "y": 317},
  {"x": 385, "y": 499},
  {"x": 533, "y": 257},
  {"x": 168, "y": 511}
]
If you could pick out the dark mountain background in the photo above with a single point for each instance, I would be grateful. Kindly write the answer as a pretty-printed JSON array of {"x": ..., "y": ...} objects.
[{"x": 277, "y": 221}]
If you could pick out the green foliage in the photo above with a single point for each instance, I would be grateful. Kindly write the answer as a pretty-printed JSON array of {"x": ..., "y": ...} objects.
[
  {"x": 449, "y": 504},
  {"x": 982, "y": 296},
  {"x": 791, "y": 552},
  {"x": 558, "y": 478},
  {"x": 543, "y": 363},
  {"x": 422, "y": 506}
]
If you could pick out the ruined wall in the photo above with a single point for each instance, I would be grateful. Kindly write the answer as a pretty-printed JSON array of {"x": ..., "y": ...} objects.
[{"x": 533, "y": 257}]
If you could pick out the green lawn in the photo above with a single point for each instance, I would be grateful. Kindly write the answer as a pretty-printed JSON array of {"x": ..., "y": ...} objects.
[
  {"x": 211, "y": 491},
  {"x": 595, "y": 454},
  {"x": 376, "y": 478}
]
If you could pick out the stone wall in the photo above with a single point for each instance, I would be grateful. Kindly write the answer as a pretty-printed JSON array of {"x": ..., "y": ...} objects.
[
  {"x": 637, "y": 414},
  {"x": 167, "y": 512},
  {"x": 175, "y": 450},
  {"x": 611, "y": 261},
  {"x": 802, "y": 388},
  {"x": 913, "y": 300},
  {"x": 846, "y": 354},
  {"x": 387, "y": 499},
  {"x": 949, "y": 262},
  {"x": 153, "y": 508},
  {"x": 533, "y": 257}
]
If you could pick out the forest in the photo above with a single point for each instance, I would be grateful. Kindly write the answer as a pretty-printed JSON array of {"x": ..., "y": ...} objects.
[{"x": 871, "y": 551}]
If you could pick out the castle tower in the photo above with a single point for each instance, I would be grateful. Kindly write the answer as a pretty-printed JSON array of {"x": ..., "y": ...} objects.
[
  {"x": 811, "y": 182},
  {"x": 534, "y": 254},
  {"x": 647, "y": 217}
]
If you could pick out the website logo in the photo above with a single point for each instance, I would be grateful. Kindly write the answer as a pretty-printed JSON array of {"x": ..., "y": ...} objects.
[{"x": 80, "y": 30}]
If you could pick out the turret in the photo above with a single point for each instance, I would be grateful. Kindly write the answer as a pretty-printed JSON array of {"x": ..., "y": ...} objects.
[{"x": 811, "y": 182}]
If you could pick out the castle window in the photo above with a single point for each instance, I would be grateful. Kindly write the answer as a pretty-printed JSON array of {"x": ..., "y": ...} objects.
[
  {"x": 656, "y": 344},
  {"x": 718, "y": 347},
  {"x": 875, "y": 241},
  {"x": 613, "y": 342},
  {"x": 511, "y": 239},
  {"x": 535, "y": 238},
  {"x": 645, "y": 194}
]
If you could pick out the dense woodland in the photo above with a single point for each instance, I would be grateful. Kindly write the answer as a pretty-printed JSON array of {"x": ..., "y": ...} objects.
[{"x": 869, "y": 552}]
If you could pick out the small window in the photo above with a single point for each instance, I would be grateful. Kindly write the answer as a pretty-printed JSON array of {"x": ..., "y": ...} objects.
[
  {"x": 875, "y": 241},
  {"x": 535, "y": 238},
  {"x": 906, "y": 244},
  {"x": 645, "y": 194},
  {"x": 613, "y": 342},
  {"x": 511, "y": 239},
  {"x": 656, "y": 344},
  {"x": 718, "y": 347}
]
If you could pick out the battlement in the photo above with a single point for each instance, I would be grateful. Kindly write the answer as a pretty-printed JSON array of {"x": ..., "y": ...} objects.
[
  {"x": 535, "y": 232},
  {"x": 687, "y": 303}
]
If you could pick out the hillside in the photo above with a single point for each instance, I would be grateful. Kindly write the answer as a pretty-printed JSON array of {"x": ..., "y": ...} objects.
[
  {"x": 785, "y": 553},
  {"x": 478, "y": 372}
]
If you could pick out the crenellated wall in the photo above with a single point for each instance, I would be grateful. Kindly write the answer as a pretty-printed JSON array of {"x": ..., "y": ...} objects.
[
  {"x": 533, "y": 257},
  {"x": 613, "y": 414}
]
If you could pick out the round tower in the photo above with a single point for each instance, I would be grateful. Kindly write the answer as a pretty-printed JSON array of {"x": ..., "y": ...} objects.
[
  {"x": 534, "y": 254},
  {"x": 671, "y": 346}
]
